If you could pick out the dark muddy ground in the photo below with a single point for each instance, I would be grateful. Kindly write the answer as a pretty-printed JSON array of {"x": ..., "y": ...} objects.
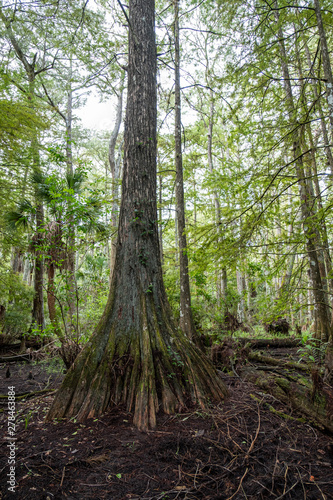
[{"x": 241, "y": 449}]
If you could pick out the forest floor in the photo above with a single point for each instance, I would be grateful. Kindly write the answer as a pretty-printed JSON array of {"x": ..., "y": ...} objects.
[{"x": 251, "y": 446}]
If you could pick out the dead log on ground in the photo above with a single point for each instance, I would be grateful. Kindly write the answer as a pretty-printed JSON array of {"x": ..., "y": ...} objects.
[
  {"x": 26, "y": 395},
  {"x": 271, "y": 343},
  {"x": 19, "y": 357},
  {"x": 311, "y": 398},
  {"x": 255, "y": 356}
]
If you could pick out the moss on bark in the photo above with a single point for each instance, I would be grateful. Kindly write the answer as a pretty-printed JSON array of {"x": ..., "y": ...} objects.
[
  {"x": 315, "y": 403},
  {"x": 150, "y": 367}
]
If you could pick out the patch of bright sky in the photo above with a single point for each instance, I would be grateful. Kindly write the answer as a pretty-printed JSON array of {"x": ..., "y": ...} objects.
[{"x": 97, "y": 115}]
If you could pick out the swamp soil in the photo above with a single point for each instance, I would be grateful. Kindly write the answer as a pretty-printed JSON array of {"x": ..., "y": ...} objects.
[{"x": 251, "y": 447}]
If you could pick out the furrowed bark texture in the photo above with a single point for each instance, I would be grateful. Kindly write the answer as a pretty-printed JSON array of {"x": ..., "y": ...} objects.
[{"x": 136, "y": 356}]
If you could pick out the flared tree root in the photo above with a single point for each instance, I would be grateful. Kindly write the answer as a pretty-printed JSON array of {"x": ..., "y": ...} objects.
[{"x": 146, "y": 370}]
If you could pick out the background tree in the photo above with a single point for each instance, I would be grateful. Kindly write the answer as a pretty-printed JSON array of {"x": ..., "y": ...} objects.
[{"x": 186, "y": 317}]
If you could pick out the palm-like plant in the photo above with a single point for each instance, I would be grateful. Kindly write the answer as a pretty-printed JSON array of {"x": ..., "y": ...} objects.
[{"x": 57, "y": 243}]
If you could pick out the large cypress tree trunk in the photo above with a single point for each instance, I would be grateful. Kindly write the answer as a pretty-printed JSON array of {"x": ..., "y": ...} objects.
[{"x": 136, "y": 355}]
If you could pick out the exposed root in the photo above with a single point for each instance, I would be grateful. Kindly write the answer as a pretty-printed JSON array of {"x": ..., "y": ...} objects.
[{"x": 146, "y": 371}]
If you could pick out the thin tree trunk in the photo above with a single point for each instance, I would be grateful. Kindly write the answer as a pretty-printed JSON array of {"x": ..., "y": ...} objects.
[
  {"x": 286, "y": 281},
  {"x": 224, "y": 289},
  {"x": 315, "y": 193},
  {"x": 328, "y": 150},
  {"x": 26, "y": 269},
  {"x": 221, "y": 287},
  {"x": 115, "y": 173},
  {"x": 51, "y": 300},
  {"x": 329, "y": 95},
  {"x": 38, "y": 321},
  {"x": 326, "y": 62},
  {"x": 323, "y": 228},
  {"x": 310, "y": 230},
  {"x": 160, "y": 199},
  {"x": 71, "y": 253},
  {"x": 311, "y": 174},
  {"x": 240, "y": 290},
  {"x": 186, "y": 317}
]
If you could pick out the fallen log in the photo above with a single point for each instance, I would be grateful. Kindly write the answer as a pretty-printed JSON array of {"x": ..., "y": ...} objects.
[
  {"x": 19, "y": 357},
  {"x": 271, "y": 408},
  {"x": 25, "y": 395},
  {"x": 271, "y": 343},
  {"x": 255, "y": 356},
  {"x": 314, "y": 400}
]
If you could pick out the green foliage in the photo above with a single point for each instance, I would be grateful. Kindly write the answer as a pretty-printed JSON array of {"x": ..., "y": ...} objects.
[
  {"x": 312, "y": 350},
  {"x": 21, "y": 217},
  {"x": 16, "y": 296},
  {"x": 242, "y": 210},
  {"x": 48, "y": 332}
]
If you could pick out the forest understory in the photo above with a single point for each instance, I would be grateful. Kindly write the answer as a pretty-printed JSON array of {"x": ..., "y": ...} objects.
[
  {"x": 254, "y": 445},
  {"x": 195, "y": 212}
]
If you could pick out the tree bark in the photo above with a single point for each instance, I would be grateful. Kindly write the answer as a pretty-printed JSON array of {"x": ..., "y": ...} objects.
[
  {"x": 136, "y": 355},
  {"x": 115, "y": 173},
  {"x": 221, "y": 273},
  {"x": 240, "y": 291},
  {"x": 323, "y": 252},
  {"x": 71, "y": 253},
  {"x": 326, "y": 62},
  {"x": 160, "y": 200},
  {"x": 51, "y": 300},
  {"x": 186, "y": 317},
  {"x": 297, "y": 392},
  {"x": 38, "y": 320},
  {"x": 308, "y": 217},
  {"x": 328, "y": 150}
]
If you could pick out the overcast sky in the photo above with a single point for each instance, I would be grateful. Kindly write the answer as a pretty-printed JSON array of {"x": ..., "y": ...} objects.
[{"x": 97, "y": 115}]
